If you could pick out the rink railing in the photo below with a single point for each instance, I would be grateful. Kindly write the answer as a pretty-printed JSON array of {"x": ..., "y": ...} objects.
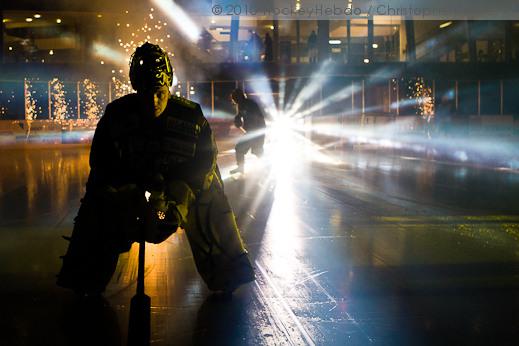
[
  {"x": 82, "y": 130},
  {"x": 86, "y": 99}
]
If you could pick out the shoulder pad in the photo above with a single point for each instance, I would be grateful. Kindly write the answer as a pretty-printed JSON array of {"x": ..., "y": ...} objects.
[
  {"x": 184, "y": 102},
  {"x": 126, "y": 100}
]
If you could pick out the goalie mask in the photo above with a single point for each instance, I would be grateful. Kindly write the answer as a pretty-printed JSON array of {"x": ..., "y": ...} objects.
[{"x": 150, "y": 68}]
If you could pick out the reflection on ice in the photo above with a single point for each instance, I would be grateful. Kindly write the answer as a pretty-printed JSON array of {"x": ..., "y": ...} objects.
[
  {"x": 41, "y": 182},
  {"x": 281, "y": 242}
]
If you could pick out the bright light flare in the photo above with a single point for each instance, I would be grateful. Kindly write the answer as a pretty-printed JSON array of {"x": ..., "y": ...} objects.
[
  {"x": 260, "y": 86},
  {"x": 180, "y": 19},
  {"x": 311, "y": 88},
  {"x": 282, "y": 240},
  {"x": 405, "y": 133},
  {"x": 337, "y": 97},
  {"x": 289, "y": 147},
  {"x": 101, "y": 50}
]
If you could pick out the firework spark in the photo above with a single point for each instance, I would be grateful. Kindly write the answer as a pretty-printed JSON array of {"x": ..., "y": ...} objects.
[
  {"x": 121, "y": 88},
  {"x": 30, "y": 103},
  {"x": 58, "y": 100},
  {"x": 92, "y": 109}
]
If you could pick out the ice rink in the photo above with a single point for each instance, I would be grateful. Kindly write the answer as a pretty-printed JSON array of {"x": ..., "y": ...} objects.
[{"x": 370, "y": 248}]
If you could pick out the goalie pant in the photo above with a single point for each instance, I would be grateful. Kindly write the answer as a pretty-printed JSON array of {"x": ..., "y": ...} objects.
[{"x": 98, "y": 239}]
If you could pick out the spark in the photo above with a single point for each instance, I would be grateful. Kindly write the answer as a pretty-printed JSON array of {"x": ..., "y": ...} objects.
[
  {"x": 58, "y": 99},
  {"x": 92, "y": 109},
  {"x": 121, "y": 88},
  {"x": 30, "y": 103}
]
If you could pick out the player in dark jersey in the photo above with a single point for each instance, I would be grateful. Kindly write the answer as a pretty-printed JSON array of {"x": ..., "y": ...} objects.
[
  {"x": 251, "y": 119},
  {"x": 153, "y": 167}
]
